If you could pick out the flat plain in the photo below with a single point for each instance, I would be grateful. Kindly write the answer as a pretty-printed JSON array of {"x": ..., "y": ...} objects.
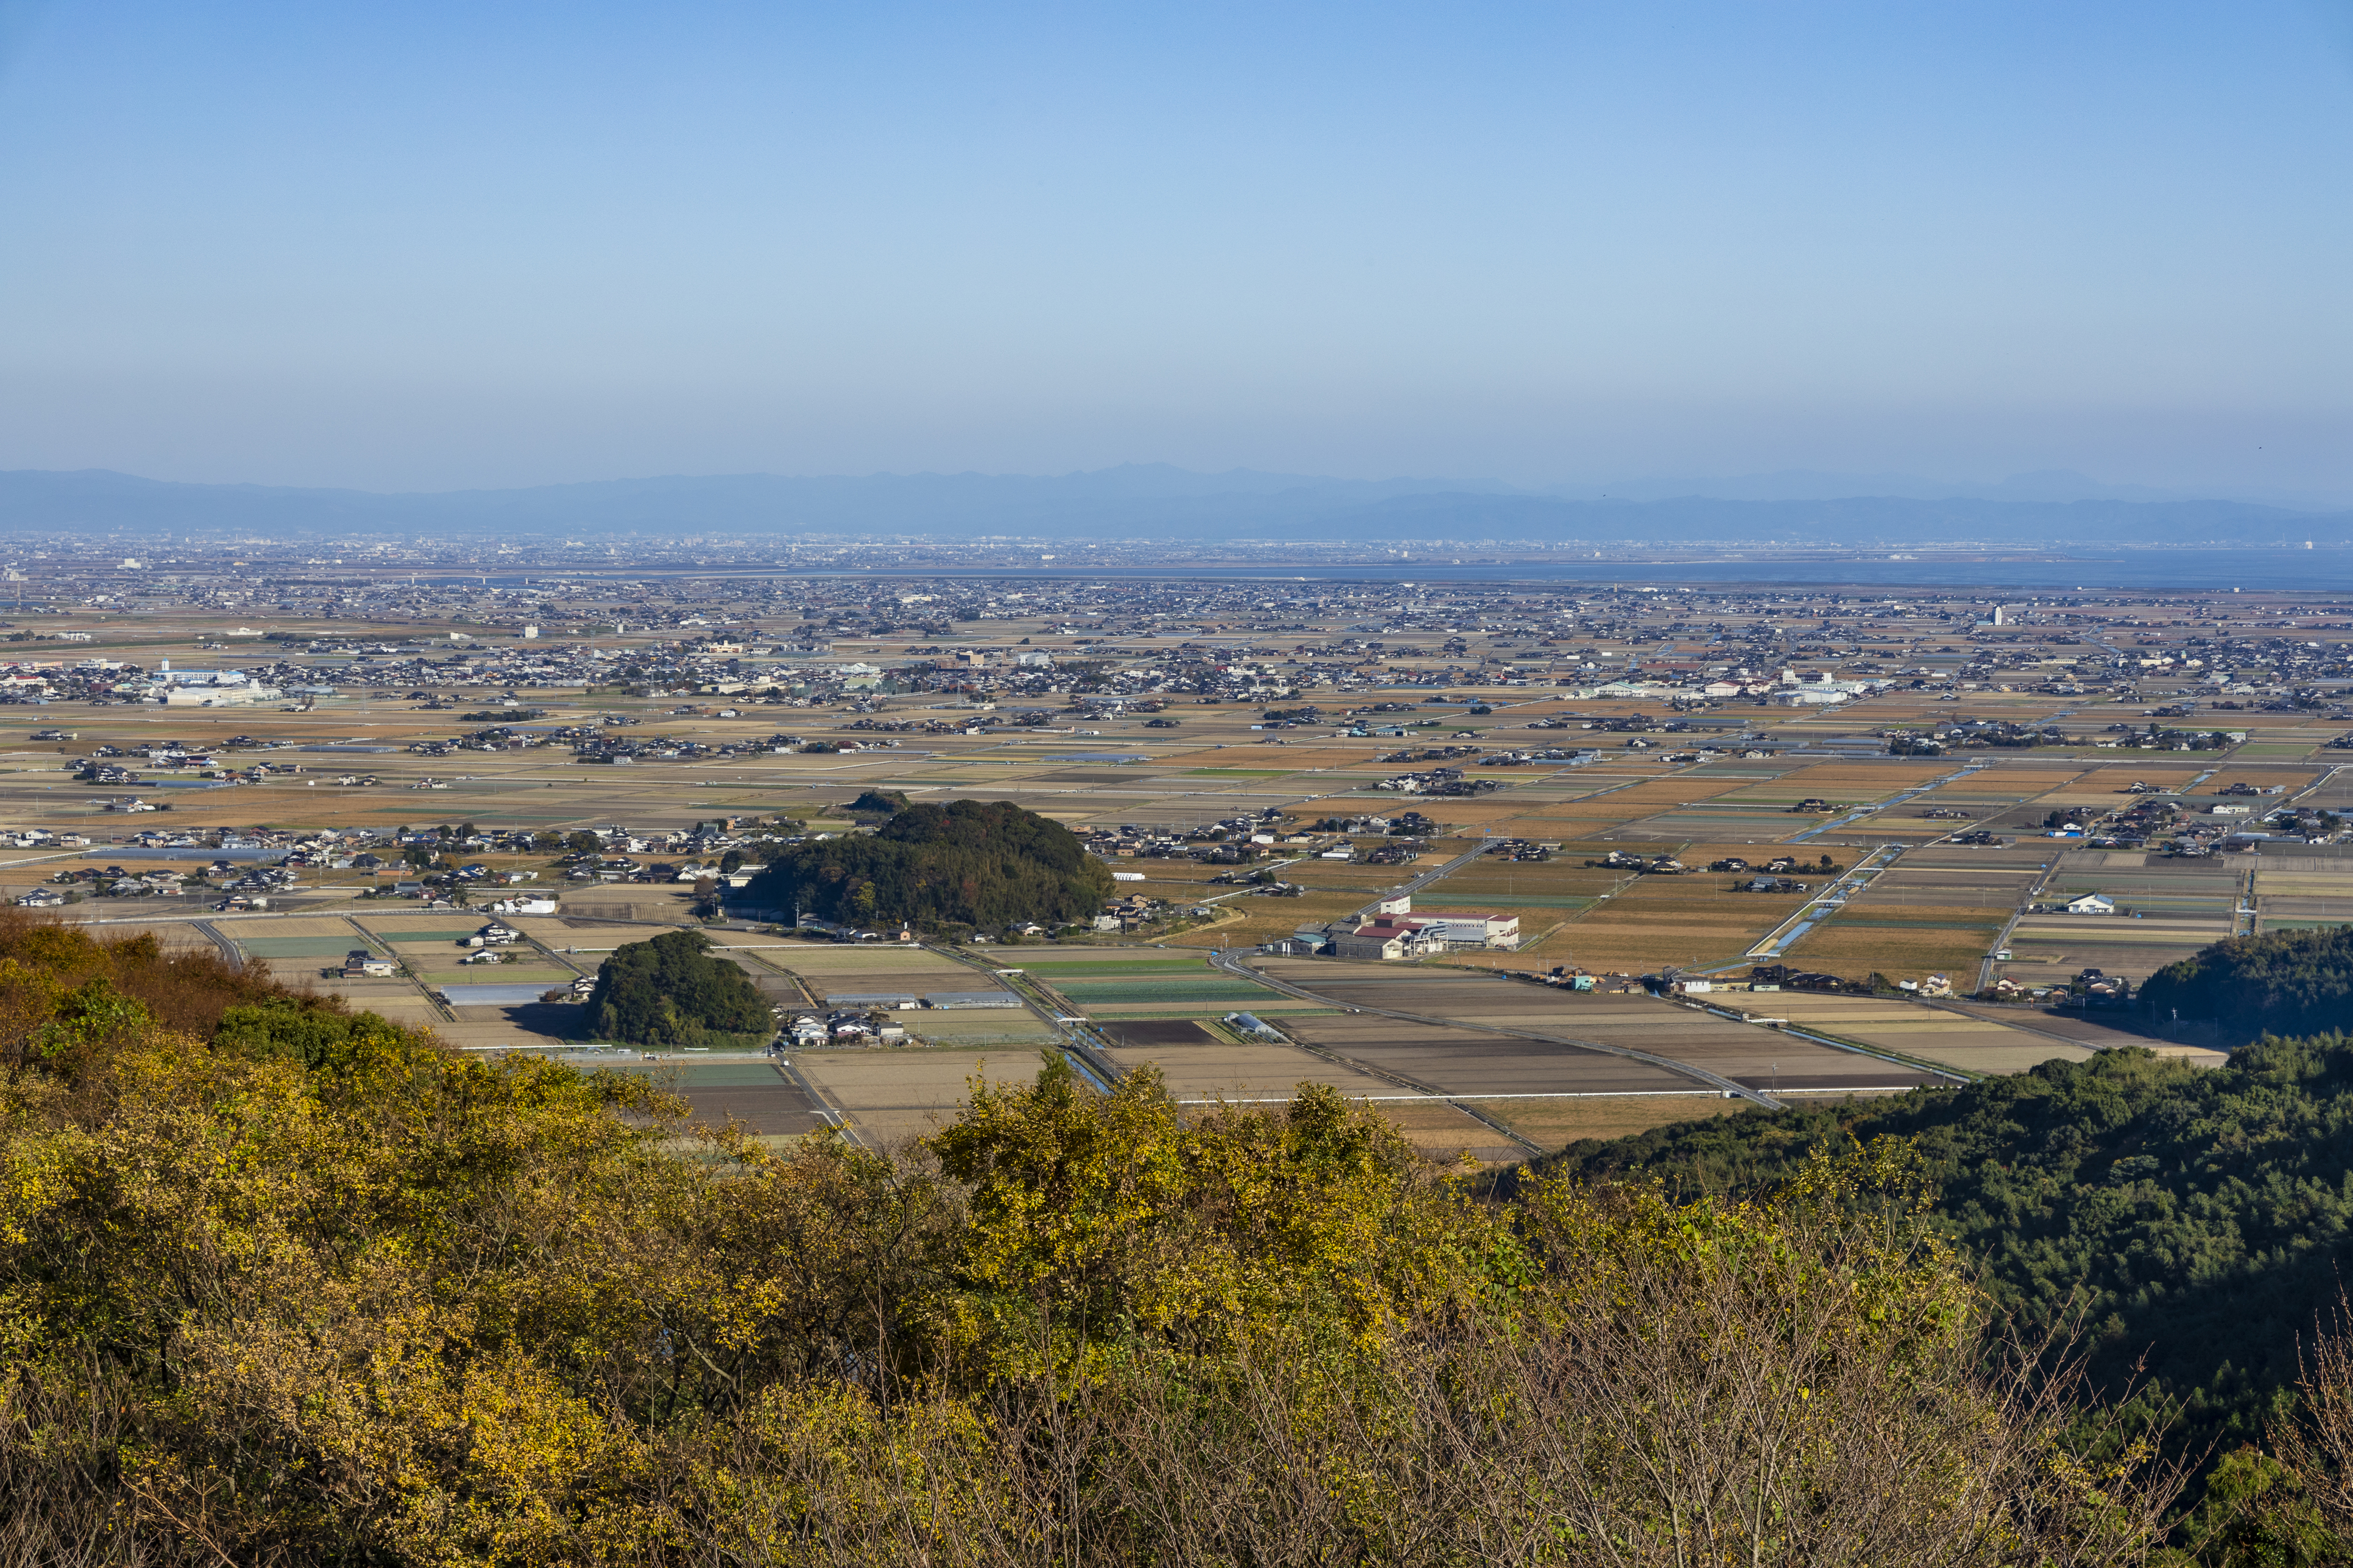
[{"x": 1695, "y": 782}]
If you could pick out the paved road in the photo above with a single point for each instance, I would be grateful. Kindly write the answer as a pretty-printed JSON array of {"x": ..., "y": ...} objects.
[
  {"x": 220, "y": 940},
  {"x": 1434, "y": 873},
  {"x": 1087, "y": 1050},
  {"x": 1827, "y": 902},
  {"x": 2018, "y": 912}
]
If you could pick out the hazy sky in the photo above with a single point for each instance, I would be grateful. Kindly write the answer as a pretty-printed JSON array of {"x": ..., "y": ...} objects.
[{"x": 425, "y": 245}]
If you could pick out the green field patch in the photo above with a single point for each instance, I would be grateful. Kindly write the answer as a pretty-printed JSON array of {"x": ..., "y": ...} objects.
[
  {"x": 300, "y": 946},
  {"x": 416, "y": 933},
  {"x": 1238, "y": 772}
]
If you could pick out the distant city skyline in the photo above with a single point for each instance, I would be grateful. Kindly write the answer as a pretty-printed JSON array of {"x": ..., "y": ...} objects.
[{"x": 1567, "y": 246}]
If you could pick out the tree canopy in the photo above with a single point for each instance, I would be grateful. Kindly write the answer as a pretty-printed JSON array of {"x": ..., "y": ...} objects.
[
  {"x": 968, "y": 862},
  {"x": 2281, "y": 983},
  {"x": 297, "y": 1286},
  {"x": 670, "y": 990},
  {"x": 2197, "y": 1218}
]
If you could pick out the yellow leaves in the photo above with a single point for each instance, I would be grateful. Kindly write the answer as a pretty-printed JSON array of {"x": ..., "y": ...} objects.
[
  {"x": 529, "y": 1445},
  {"x": 1096, "y": 1220},
  {"x": 444, "y": 1310},
  {"x": 36, "y": 1174}
]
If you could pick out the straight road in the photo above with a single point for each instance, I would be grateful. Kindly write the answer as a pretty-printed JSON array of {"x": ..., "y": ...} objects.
[{"x": 1435, "y": 872}]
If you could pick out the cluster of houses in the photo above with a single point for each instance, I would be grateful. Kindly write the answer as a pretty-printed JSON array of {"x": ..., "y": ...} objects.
[
  {"x": 1644, "y": 865},
  {"x": 1437, "y": 781},
  {"x": 1782, "y": 977},
  {"x": 864, "y": 1018},
  {"x": 1568, "y": 755},
  {"x": 256, "y": 863},
  {"x": 842, "y": 1026},
  {"x": 2090, "y": 988},
  {"x": 1231, "y": 840}
]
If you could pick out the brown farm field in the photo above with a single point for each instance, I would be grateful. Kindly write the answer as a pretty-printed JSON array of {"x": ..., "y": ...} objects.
[
  {"x": 1745, "y": 1054},
  {"x": 1656, "y": 922},
  {"x": 1940, "y": 907},
  {"x": 1558, "y": 1123},
  {"x": 1900, "y": 950}
]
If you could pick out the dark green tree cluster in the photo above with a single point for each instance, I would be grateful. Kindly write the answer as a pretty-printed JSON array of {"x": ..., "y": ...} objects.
[
  {"x": 2199, "y": 1218},
  {"x": 968, "y": 862},
  {"x": 2281, "y": 983},
  {"x": 671, "y": 992}
]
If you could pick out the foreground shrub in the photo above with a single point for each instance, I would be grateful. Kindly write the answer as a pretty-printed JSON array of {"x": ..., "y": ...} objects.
[{"x": 310, "y": 1288}]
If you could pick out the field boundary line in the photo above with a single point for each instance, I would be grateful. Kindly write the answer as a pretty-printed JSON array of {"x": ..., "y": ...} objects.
[
  {"x": 1805, "y": 1032},
  {"x": 839, "y": 1119},
  {"x": 1685, "y": 1069},
  {"x": 1098, "y": 1068}
]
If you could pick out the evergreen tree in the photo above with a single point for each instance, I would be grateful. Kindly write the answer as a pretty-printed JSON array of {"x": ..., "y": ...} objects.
[
  {"x": 983, "y": 864},
  {"x": 671, "y": 992},
  {"x": 2282, "y": 981}
]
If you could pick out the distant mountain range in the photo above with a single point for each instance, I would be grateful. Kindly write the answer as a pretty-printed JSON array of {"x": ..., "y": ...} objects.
[{"x": 1155, "y": 501}]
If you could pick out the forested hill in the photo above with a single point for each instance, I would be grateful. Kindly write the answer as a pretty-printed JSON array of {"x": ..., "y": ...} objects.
[
  {"x": 965, "y": 863},
  {"x": 2205, "y": 1212},
  {"x": 2280, "y": 983}
]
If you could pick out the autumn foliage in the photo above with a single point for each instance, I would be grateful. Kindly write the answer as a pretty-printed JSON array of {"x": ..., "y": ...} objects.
[{"x": 280, "y": 1283}]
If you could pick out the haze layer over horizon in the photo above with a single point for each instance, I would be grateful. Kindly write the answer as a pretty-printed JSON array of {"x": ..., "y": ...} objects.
[{"x": 439, "y": 249}]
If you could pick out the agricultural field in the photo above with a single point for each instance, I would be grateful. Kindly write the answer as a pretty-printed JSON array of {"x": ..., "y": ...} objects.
[
  {"x": 1695, "y": 919},
  {"x": 889, "y": 1098},
  {"x": 1900, "y": 941},
  {"x": 751, "y": 1092},
  {"x": 1976, "y": 1045},
  {"x": 1558, "y": 1123},
  {"x": 1564, "y": 1049},
  {"x": 2167, "y": 909},
  {"x": 1204, "y": 1069},
  {"x": 2303, "y": 891},
  {"x": 832, "y": 975},
  {"x": 1940, "y": 909},
  {"x": 1754, "y": 807},
  {"x": 1117, "y": 985},
  {"x": 1937, "y": 907}
]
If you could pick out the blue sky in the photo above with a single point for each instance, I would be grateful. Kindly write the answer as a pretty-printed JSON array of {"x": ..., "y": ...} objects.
[{"x": 429, "y": 245}]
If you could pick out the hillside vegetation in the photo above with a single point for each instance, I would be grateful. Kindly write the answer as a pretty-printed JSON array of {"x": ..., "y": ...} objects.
[
  {"x": 284, "y": 1284},
  {"x": 2197, "y": 1218},
  {"x": 966, "y": 863},
  {"x": 2281, "y": 983},
  {"x": 670, "y": 990}
]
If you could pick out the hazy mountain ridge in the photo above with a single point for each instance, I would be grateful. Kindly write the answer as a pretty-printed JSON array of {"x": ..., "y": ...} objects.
[{"x": 1146, "y": 500}]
